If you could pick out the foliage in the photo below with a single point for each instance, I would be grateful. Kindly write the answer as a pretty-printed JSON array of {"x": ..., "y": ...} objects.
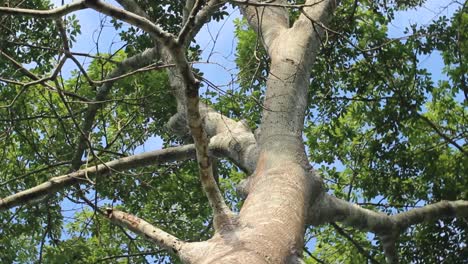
[{"x": 382, "y": 130}]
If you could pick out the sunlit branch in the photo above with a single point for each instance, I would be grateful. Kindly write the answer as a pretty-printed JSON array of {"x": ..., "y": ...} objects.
[
  {"x": 220, "y": 146},
  {"x": 431, "y": 212},
  {"x": 186, "y": 88},
  {"x": 221, "y": 211},
  {"x": 236, "y": 142},
  {"x": 268, "y": 21},
  {"x": 190, "y": 20},
  {"x": 143, "y": 23},
  {"x": 202, "y": 17},
  {"x": 132, "y": 6},
  {"x": 52, "y": 13},
  {"x": 60, "y": 182},
  {"x": 223, "y": 216},
  {"x": 333, "y": 209},
  {"x": 319, "y": 12},
  {"x": 187, "y": 10},
  {"x": 387, "y": 227},
  {"x": 146, "y": 230},
  {"x": 228, "y": 138}
]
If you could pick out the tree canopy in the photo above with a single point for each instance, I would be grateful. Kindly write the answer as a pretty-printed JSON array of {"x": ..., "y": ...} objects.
[{"x": 382, "y": 131}]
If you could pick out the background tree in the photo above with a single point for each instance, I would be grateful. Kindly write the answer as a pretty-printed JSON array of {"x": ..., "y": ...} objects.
[{"x": 319, "y": 84}]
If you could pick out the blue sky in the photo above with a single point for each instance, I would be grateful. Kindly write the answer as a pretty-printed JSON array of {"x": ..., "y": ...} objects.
[{"x": 431, "y": 10}]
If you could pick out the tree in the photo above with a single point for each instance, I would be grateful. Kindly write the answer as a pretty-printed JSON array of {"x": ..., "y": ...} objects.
[{"x": 327, "y": 86}]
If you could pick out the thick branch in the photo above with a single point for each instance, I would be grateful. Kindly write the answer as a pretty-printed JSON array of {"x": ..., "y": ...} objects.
[
  {"x": 220, "y": 146},
  {"x": 60, "y": 182},
  {"x": 332, "y": 209},
  {"x": 229, "y": 138},
  {"x": 133, "y": 19},
  {"x": 189, "y": 20},
  {"x": 186, "y": 88},
  {"x": 52, "y": 13},
  {"x": 267, "y": 21},
  {"x": 190, "y": 86},
  {"x": 193, "y": 25},
  {"x": 193, "y": 22},
  {"x": 187, "y": 10},
  {"x": 222, "y": 213},
  {"x": 315, "y": 12},
  {"x": 132, "y": 6},
  {"x": 389, "y": 245},
  {"x": 292, "y": 54},
  {"x": 328, "y": 209},
  {"x": 431, "y": 212},
  {"x": 388, "y": 228},
  {"x": 239, "y": 145},
  {"x": 145, "y": 229}
]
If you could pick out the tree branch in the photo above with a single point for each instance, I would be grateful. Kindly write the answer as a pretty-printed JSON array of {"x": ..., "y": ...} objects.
[
  {"x": 195, "y": 7},
  {"x": 332, "y": 209},
  {"x": 186, "y": 89},
  {"x": 190, "y": 85},
  {"x": 229, "y": 138},
  {"x": 389, "y": 245},
  {"x": 315, "y": 12},
  {"x": 52, "y": 13},
  {"x": 145, "y": 229},
  {"x": 237, "y": 146},
  {"x": 165, "y": 38},
  {"x": 35, "y": 79},
  {"x": 193, "y": 26},
  {"x": 223, "y": 216},
  {"x": 139, "y": 254},
  {"x": 268, "y": 21},
  {"x": 431, "y": 212},
  {"x": 387, "y": 227},
  {"x": 289, "y": 76},
  {"x": 58, "y": 183},
  {"x": 132, "y": 6}
]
